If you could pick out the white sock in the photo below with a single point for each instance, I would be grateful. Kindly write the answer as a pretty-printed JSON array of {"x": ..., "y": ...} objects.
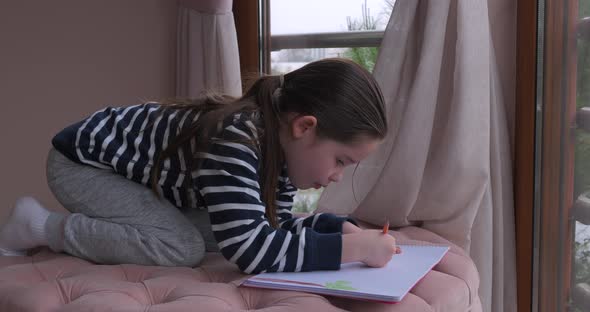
[
  {"x": 25, "y": 228},
  {"x": 12, "y": 253}
]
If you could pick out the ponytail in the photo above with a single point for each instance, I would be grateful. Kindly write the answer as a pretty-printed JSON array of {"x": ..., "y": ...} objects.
[{"x": 266, "y": 92}]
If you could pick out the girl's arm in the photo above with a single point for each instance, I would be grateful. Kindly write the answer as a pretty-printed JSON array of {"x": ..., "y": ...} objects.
[
  {"x": 372, "y": 247},
  {"x": 349, "y": 228}
]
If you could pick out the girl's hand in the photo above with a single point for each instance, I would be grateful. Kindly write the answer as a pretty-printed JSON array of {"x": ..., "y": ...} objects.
[
  {"x": 372, "y": 247},
  {"x": 348, "y": 228}
]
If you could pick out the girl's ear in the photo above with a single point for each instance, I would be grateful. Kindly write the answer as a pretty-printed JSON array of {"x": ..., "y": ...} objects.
[{"x": 303, "y": 125}]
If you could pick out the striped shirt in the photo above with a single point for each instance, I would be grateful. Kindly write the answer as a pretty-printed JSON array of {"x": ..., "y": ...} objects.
[{"x": 129, "y": 139}]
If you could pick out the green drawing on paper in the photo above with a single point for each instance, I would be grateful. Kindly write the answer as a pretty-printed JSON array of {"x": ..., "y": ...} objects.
[{"x": 344, "y": 285}]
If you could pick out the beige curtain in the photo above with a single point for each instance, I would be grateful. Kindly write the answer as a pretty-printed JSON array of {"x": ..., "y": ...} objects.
[
  {"x": 446, "y": 68},
  {"x": 207, "y": 49}
]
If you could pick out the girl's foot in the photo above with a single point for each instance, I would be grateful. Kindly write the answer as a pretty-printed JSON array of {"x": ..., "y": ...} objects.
[
  {"x": 12, "y": 253},
  {"x": 24, "y": 229}
]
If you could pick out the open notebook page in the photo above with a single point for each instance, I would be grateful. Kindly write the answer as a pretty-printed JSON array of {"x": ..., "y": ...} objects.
[{"x": 390, "y": 283}]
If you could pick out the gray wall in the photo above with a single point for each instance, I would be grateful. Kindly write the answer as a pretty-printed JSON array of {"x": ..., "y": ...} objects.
[{"x": 61, "y": 60}]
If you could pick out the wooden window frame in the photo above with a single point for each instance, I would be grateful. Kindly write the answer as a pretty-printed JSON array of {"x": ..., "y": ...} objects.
[
  {"x": 253, "y": 32},
  {"x": 544, "y": 253},
  {"x": 524, "y": 167},
  {"x": 248, "y": 28},
  {"x": 557, "y": 163}
]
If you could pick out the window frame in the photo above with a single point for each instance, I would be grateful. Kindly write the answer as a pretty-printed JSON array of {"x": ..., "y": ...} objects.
[
  {"x": 524, "y": 152},
  {"x": 545, "y": 118}
]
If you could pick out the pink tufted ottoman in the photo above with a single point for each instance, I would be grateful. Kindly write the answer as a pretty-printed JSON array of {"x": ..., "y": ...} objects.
[{"x": 56, "y": 282}]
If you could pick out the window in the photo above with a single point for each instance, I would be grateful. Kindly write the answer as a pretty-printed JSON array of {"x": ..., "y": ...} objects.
[{"x": 561, "y": 277}]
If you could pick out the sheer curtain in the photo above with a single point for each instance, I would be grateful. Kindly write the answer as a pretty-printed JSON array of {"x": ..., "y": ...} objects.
[
  {"x": 446, "y": 68},
  {"x": 207, "y": 48}
]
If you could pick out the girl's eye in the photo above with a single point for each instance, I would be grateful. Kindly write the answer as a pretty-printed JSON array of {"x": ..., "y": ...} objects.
[{"x": 340, "y": 162}]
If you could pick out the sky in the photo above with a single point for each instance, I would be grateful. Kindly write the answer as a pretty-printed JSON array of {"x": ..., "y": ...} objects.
[{"x": 308, "y": 16}]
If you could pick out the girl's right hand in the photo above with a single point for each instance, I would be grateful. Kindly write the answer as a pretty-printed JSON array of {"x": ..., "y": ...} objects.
[{"x": 369, "y": 246}]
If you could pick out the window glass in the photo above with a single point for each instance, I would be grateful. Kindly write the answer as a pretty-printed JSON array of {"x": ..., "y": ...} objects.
[{"x": 581, "y": 265}]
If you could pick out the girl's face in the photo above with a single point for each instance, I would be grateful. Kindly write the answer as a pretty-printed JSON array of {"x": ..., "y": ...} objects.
[{"x": 313, "y": 162}]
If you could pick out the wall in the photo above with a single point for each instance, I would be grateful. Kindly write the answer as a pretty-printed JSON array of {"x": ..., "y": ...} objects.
[{"x": 61, "y": 60}]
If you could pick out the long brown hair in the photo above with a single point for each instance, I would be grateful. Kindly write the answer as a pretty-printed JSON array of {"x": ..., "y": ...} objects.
[{"x": 343, "y": 96}]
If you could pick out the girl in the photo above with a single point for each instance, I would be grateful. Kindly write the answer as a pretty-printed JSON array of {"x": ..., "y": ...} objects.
[{"x": 232, "y": 166}]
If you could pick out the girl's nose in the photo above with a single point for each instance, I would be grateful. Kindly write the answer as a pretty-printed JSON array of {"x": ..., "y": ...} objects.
[{"x": 336, "y": 177}]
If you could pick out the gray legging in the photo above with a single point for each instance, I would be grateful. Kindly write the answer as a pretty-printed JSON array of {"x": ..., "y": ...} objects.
[{"x": 116, "y": 220}]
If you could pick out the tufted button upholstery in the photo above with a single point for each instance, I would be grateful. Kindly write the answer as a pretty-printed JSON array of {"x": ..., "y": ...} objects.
[{"x": 47, "y": 281}]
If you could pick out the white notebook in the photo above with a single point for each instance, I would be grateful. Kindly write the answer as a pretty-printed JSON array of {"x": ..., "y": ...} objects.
[{"x": 356, "y": 280}]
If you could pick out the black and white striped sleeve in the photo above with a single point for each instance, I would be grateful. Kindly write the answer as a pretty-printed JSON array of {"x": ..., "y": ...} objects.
[{"x": 228, "y": 182}]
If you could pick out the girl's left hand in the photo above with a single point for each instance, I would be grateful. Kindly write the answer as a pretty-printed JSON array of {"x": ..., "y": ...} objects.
[{"x": 348, "y": 228}]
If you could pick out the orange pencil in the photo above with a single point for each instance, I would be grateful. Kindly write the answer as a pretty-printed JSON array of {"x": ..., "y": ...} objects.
[{"x": 385, "y": 231}]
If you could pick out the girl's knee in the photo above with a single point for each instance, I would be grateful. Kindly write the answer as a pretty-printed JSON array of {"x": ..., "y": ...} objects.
[
  {"x": 187, "y": 250},
  {"x": 192, "y": 258}
]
